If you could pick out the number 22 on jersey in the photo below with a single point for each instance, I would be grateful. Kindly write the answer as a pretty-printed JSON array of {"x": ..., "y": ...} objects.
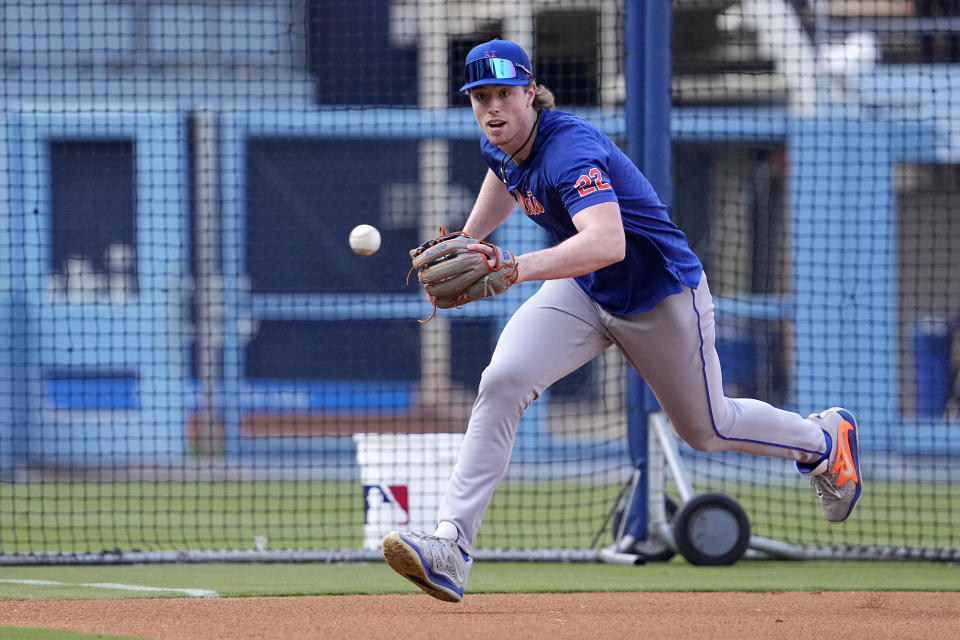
[{"x": 590, "y": 182}]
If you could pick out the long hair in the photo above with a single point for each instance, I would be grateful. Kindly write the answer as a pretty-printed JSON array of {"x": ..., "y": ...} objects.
[{"x": 543, "y": 99}]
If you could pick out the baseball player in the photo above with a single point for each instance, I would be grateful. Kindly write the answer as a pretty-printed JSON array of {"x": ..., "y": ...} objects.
[{"x": 617, "y": 272}]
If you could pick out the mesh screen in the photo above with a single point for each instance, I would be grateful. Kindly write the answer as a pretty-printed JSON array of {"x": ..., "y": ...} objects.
[{"x": 193, "y": 360}]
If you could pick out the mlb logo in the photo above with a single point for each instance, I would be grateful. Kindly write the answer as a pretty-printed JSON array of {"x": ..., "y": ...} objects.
[
  {"x": 403, "y": 477},
  {"x": 386, "y": 504}
]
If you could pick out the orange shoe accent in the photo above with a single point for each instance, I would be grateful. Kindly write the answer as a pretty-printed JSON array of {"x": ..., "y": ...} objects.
[{"x": 843, "y": 464}]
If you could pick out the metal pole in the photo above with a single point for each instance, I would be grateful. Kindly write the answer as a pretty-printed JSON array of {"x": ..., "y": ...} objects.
[
  {"x": 208, "y": 295},
  {"x": 647, "y": 69},
  {"x": 647, "y": 108},
  {"x": 432, "y": 83}
]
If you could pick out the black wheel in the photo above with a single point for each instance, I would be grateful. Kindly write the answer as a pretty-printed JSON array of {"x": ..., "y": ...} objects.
[
  {"x": 650, "y": 550},
  {"x": 712, "y": 529}
]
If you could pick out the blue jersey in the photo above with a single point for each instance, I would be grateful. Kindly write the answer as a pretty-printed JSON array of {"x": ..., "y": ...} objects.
[{"x": 573, "y": 165}]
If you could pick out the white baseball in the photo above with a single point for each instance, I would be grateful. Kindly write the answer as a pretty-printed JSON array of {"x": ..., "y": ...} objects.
[{"x": 364, "y": 239}]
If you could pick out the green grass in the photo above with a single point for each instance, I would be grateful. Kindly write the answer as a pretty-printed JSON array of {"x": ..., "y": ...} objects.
[
  {"x": 96, "y": 516},
  {"x": 281, "y": 579},
  {"x": 34, "y": 633},
  {"x": 92, "y": 516},
  {"x": 889, "y": 514}
]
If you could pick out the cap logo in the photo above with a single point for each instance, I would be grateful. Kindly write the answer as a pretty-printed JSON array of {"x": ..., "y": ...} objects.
[{"x": 490, "y": 54}]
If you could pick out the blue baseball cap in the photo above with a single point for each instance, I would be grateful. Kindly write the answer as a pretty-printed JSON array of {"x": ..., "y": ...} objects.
[{"x": 496, "y": 62}]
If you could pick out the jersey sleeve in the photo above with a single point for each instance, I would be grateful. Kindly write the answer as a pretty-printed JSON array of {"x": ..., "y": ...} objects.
[{"x": 579, "y": 170}]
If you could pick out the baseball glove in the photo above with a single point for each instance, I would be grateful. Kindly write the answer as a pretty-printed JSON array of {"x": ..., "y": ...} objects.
[{"x": 453, "y": 275}]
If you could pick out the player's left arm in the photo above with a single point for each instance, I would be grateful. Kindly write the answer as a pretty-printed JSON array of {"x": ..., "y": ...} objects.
[{"x": 599, "y": 242}]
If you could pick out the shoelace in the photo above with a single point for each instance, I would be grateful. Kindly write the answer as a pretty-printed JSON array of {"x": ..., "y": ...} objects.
[
  {"x": 824, "y": 484},
  {"x": 438, "y": 553}
]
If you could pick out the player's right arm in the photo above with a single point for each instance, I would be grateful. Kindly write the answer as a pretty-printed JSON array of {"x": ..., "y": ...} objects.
[{"x": 494, "y": 203}]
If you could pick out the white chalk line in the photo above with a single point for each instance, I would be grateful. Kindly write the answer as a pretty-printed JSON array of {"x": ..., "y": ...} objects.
[{"x": 192, "y": 593}]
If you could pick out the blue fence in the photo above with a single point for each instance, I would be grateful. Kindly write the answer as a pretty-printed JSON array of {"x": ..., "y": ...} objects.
[
  {"x": 843, "y": 306},
  {"x": 50, "y": 336}
]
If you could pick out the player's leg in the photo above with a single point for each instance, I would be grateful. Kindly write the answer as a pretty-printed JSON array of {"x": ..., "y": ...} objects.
[
  {"x": 672, "y": 346},
  {"x": 553, "y": 333}
]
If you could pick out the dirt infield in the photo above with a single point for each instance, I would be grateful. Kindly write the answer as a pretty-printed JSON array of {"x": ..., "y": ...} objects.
[{"x": 739, "y": 616}]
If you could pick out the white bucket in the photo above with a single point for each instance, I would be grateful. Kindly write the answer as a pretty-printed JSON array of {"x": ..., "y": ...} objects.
[{"x": 404, "y": 477}]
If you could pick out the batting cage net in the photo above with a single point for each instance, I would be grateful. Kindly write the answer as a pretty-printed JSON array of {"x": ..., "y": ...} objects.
[{"x": 194, "y": 365}]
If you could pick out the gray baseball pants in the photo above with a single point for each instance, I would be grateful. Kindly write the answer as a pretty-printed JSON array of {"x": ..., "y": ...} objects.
[{"x": 559, "y": 329}]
